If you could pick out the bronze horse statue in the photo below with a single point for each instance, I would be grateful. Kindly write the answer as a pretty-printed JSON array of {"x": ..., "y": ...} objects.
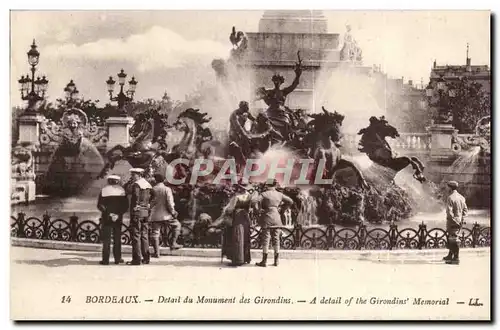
[
  {"x": 324, "y": 144},
  {"x": 373, "y": 143}
]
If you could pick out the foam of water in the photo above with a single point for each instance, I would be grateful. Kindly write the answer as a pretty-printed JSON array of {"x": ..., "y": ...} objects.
[
  {"x": 223, "y": 97},
  {"x": 349, "y": 92},
  {"x": 70, "y": 174},
  {"x": 423, "y": 195},
  {"x": 467, "y": 161},
  {"x": 280, "y": 156},
  {"x": 307, "y": 215}
]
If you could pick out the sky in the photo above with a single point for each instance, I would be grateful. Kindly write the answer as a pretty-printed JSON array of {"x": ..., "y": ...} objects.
[{"x": 172, "y": 50}]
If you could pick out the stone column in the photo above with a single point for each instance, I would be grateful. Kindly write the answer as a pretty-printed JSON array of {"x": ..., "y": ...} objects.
[
  {"x": 23, "y": 187},
  {"x": 118, "y": 131},
  {"x": 441, "y": 135},
  {"x": 29, "y": 128}
]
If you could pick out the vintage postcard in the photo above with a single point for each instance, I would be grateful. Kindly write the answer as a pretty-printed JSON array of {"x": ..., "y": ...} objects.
[{"x": 250, "y": 165}]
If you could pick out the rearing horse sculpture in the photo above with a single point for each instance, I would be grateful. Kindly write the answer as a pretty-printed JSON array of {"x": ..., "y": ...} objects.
[
  {"x": 373, "y": 143},
  {"x": 324, "y": 139}
]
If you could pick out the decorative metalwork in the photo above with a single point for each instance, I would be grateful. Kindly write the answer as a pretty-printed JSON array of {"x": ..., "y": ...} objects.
[
  {"x": 329, "y": 237},
  {"x": 88, "y": 232},
  {"x": 59, "y": 230}
]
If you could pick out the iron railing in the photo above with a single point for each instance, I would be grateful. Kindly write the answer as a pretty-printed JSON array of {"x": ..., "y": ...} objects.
[{"x": 331, "y": 237}]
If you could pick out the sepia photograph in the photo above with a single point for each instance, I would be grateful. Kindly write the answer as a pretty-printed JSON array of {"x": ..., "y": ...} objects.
[{"x": 250, "y": 165}]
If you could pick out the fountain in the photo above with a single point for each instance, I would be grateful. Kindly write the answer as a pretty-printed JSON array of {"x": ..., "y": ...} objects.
[
  {"x": 335, "y": 76},
  {"x": 330, "y": 71},
  {"x": 76, "y": 161}
]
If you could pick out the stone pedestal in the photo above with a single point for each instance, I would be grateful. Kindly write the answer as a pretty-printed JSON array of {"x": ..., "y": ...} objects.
[
  {"x": 29, "y": 128},
  {"x": 22, "y": 191},
  {"x": 118, "y": 131},
  {"x": 23, "y": 187},
  {"x": 441, "y": 135}
]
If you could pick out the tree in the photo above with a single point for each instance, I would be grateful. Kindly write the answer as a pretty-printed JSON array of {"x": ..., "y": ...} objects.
[
  {"x": 469, "y": 103},
  {"x": 165, "y": 105},
  {"x": 409, "y": 113},
  {"x": 55, "y": 111}
]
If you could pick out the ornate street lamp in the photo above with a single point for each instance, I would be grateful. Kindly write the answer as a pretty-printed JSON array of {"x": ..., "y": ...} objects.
[
  {"x": 33, "y": 90},
  {"x": 122, "y": 97},
  {"x": 71, "y": 93},
  {"x": 442, "y": 103}
]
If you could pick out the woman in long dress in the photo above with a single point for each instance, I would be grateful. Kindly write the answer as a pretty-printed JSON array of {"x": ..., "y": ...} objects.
[{"x": 235, "y": 219}]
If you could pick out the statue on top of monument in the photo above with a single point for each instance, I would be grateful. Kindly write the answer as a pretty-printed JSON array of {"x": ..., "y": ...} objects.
[
  {"x": 239, "y": 40},
  {"x": 280, "y": 116},
  {"x": 350, "y": 50}
]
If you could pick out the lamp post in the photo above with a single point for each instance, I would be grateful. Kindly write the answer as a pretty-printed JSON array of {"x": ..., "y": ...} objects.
[
  {"x": 444, "y": 95},
  {"x": 33, "y": 90},
  {"x": 122, "y": 97},
  {"x": 71, "y": 93}
]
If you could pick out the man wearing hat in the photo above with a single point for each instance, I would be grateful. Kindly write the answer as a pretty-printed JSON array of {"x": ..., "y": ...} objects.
[
  {"x": 270, "y": 220},
  {"x": 456, "y": 210},
  {"x": 163, "y": 211},
  {"x": 141, "y": 195},
  {"x": 112, "y": 203}
]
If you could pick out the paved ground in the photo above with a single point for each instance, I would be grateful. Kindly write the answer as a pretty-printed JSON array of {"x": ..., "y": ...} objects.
[{"x": 40, "y": 278}]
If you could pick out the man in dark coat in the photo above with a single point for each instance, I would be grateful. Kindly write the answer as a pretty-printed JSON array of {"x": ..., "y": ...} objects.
[
  {"x": 112, "y": 203},
  {"x": 141, "y": 194}
]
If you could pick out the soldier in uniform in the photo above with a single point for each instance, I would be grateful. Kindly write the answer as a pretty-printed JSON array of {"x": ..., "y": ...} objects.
[
  {"x": 112, "y": 203},
  {"x": 270, "y": 220},
  {"x": 456, "y": 210},
  {"x": 163, "y": 211},
  {"x": 141, "y": 193}
]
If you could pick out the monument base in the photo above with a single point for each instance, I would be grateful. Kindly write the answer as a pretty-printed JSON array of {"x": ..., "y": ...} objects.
[
  {"x": 29, "y": 127},
  {"x": 441, "y": 140},
  {"x": 118, "y": 131}
]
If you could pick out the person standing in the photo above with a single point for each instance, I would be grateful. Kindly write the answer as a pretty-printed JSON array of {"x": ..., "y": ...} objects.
[
  {"x": 235, "y": 219},
  {"x": 112, "y": 203},
  {"x": 141, "y": 194},
  {"x": 456, "y": 210},
  {"x": 163, "y": 211},
  {"x": 270, "y": 221}
]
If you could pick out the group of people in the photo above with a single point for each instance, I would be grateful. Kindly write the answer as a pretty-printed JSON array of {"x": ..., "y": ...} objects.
[
  {"x": 155, "y": 205},
  {"x": 149, "y": 205},
  {"x": 235, "y": 220}
]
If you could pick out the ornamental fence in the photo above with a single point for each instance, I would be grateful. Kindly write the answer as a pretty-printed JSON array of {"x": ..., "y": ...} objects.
[{"x": 331, "y": 237}]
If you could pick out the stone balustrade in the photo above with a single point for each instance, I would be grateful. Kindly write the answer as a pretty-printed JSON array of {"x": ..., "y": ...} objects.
[{"x": 406, "y": 141}]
